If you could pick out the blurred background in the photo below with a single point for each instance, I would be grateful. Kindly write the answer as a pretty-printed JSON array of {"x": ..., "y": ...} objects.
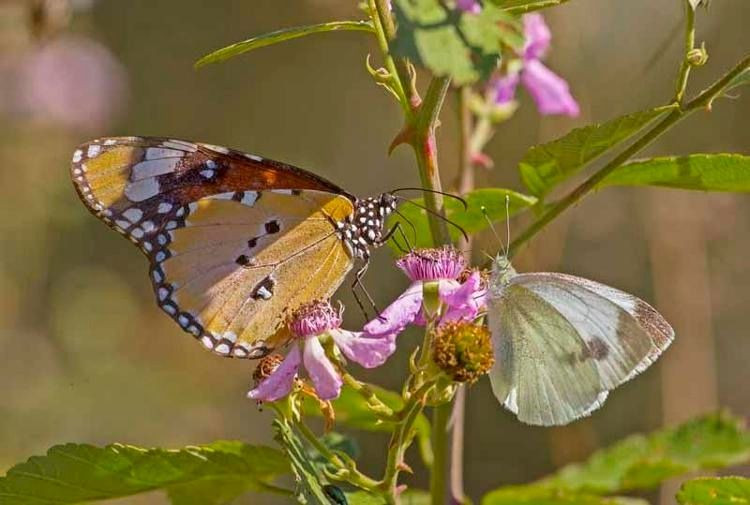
[{"x": 86, "y": 355}]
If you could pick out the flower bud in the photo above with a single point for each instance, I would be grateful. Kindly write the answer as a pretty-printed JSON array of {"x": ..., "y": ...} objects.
[
  {"x": 462, "y": 350},
  {"x": 698, "y": 56}
]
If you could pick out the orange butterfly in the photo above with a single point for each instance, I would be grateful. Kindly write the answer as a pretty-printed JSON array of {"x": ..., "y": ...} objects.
[{"x": 236, "y": 242}]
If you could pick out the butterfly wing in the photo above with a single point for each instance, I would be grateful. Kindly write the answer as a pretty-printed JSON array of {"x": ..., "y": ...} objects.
[
  {"x": 585, "y": 324},
  {"x": 536, "y": 374},
  {"x": 235, "y": 242}
]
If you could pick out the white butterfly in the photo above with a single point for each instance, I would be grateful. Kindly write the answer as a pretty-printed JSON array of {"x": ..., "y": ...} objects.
[{"x": 562, "y": 342}]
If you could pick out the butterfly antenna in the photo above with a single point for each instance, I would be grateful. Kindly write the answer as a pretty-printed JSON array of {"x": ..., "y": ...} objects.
[
  {"x": 436, "y": 214},
  {"x": 503, "y": 248},
  {"x": 435, "y": 191}
]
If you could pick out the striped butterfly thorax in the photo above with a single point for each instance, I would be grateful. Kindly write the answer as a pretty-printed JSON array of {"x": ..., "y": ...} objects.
[
  {"x": 236, "y": 242},
  {"x": 563, "y": 342}
]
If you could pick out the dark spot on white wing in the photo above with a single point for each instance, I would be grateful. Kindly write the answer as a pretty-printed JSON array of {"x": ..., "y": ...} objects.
[
  {"x": 596, "y": 348},
  {"x": 259, "y": 351},
  {"x": 253, "y": 242},
  {"x": 272, "y": 227},
  {"x": 238, "y": 196},
  {"x": 296, "y": 192},
  {"x": 264, "y": 289}
]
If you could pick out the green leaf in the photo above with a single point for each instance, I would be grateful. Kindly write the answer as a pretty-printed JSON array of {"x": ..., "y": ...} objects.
[
  {"x": 472, "y": 220},
  {"x": 524, "y": 495},
  {"x": 524, "y": 6},
  {"x": 544, "y": 166},
  {"x": 742, "y": 79},
  {"x": 309, "y": 486},
  {"x": 715, "y": 491},
  {"x": 707, "y": 172},
  {"x": 277, "y": 36},
  {"x": 465, "y": 46},
  {"x": 352, "y": 410},
  {"x": 643, "y": 462},
  {"x": 335, "y": 442},
  {"x": 74, "y": 473}
]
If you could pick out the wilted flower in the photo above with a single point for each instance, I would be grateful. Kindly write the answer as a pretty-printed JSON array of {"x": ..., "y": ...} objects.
[
  {"x": 274, "y": 377},
  {"x": 461, "y": 300},
  {"x": 549, "y": 91},
  {"x": 462, "y": 350}
]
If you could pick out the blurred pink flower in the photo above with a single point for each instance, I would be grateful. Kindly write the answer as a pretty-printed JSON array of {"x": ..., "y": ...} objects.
[
  {"x": 468, "y": 6},
  {"x": 73, "y": 81},
  {"x": 549, "y": 91}
]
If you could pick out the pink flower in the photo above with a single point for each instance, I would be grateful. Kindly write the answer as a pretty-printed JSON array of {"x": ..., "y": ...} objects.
[
  {"x": 471, "y": 6},
  {"x": 461, "y": 301},
  {"x": 550, "y": 91},
  {"x": 275, "y": 377}
]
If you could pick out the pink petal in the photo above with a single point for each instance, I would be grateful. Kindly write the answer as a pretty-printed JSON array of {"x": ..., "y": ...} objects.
[
  {"x": 505, "y": 88},
  {"x": 326, "y": 380},
  {"x": 397, "y": 315},
  {"x": 550, "y": 91},
  {"x": 368, "y": 351},
  {"x": 537, "y": 35},
  {"x": 463, "y": 301},
  {"x": 279, "y": 383}
]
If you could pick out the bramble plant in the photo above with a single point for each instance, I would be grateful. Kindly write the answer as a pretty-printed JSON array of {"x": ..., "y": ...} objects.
[{"x": 482, "y": 54}]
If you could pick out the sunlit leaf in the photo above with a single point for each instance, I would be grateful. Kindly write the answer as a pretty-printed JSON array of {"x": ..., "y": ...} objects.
[
  {"x": 472, "y": 220},
  {"x": 74, "y": 473},
  {"x": 523, "y": 6},
  {"x": 277, "y": 36},
  {"x": 309, "y": 485},
  {"x": 644, "y": 461},
  {"x": 465, "y": 46},
  {"x": 352, "y": 410},
  {"x": 523, "y": 495},
  {"x": 707, "y": 172},
  {"x": 546, "y": 165},
  {"x": 715, "y": 491}
]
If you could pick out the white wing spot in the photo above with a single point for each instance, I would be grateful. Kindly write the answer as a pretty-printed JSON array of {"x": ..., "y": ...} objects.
[
  {"x": 77, "y": 156},
  {"x": 142, "y": 189},
  {"x": 164, "y": 207},
  {"x": 133, "y": 214},
  {"x": 94, "y": 149}
]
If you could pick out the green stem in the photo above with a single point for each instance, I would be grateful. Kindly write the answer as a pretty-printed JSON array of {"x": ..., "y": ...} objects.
[
  {"x": 384, "y": 31},
  {"x": 704, "y": 99},
  {"x": 425, "y": 151},
  {"x": 401, "y": 439},
  {"x": 438, "y": 478},
  {"x": 684, "y": 73}
]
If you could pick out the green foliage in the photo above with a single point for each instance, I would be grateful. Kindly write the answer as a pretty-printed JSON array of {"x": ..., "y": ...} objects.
[
  {"x": 336, "y": 442},
  {"x": 471, "y": 219},
  {"x": 707, "y": 172},
  {"x": 309, "y": 486},
  {"x": 74, "y": 473},
  {"x": 277, "y": 36},
  {"x": 464, "y": 46},
  {"x": 525, "y": 495},
  {"x": 741, "y": 80},
  {"x": 352, "y": 410},
  {"x": 544, "y": 166},
  {"x": 523, "y": 6},
  {"x": 715, "y": 491},
  {"x": 410, "y": 497},
  {"x": 644, "y": 461}
]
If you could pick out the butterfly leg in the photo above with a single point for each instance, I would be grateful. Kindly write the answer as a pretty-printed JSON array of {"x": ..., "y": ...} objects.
[
  {"x": 358, "y": 282},
  {"x": 390, "y": 235}
]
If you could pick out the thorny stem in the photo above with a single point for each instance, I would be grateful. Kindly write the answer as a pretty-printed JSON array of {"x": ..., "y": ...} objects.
[
  {"x": 400, "y": 440},
  {"x": 684, "y": 73},
  {"x": 438, "y": 488},
  {"x": 680, "y": 112}
]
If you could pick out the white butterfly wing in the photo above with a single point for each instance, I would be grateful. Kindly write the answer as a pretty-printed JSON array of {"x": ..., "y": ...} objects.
[{"x": 598, "y": 326}]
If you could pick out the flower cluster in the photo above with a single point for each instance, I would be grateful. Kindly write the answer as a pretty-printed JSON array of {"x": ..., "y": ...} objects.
[{"x": 461, "y": 295}]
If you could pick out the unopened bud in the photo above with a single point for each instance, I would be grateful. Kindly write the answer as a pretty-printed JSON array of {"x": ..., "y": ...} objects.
[
  {"x": 463, "y": 351},
  {"x": 698, "y": 56}
]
